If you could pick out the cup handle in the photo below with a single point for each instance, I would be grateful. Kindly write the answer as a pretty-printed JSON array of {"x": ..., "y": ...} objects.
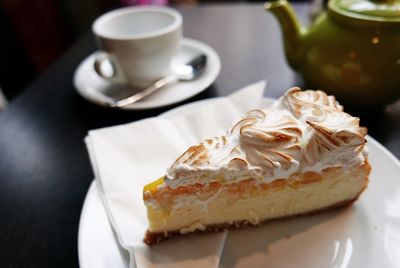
[{"x": 99, "y": 61}]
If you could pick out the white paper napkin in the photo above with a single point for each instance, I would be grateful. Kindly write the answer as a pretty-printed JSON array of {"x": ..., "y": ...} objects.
[{"x": 127, "y": 157}]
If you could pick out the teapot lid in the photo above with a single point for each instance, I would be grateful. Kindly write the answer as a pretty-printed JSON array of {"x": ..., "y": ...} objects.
[{"x": 370, "y": 10}]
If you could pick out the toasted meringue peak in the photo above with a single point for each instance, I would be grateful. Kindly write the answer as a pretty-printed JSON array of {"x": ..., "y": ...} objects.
[
  {"x": 298, "y": 101},
  {"x": 199, "y": 155},
  {"x": 333, "y": 132},
  {"x": 270, "y": 139}
]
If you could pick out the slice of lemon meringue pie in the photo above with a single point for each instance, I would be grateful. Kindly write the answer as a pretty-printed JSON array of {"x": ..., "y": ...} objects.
[{"x": 303, "y": 155}]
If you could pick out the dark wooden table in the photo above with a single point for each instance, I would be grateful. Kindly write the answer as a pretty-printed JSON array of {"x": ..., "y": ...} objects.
[{"x": 44, "y": 167}]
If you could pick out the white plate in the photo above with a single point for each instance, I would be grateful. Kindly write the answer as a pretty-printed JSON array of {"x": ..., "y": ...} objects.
[
  {"x": 94, "y": 88},
  {"x": 366, "y": 234}
]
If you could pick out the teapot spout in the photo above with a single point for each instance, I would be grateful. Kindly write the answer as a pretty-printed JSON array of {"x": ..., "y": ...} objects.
[{"x": 292, "y": 30}]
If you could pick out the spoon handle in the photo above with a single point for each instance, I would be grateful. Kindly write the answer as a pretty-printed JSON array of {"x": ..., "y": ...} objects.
[{"x": 146, "y": 92}]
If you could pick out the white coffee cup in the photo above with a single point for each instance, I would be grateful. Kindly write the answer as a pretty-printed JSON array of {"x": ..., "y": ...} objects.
[{"x": 138, "y": 43}]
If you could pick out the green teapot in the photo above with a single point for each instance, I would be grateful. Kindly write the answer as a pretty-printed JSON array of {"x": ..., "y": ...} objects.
[{"x": 352, "y": 50}]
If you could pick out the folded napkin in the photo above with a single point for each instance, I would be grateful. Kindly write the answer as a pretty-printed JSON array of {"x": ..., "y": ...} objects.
[{"x": 127, "y": 157}]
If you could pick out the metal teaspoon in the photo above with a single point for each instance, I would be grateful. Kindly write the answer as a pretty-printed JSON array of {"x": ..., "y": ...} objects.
[{"x": 186, "y": 72}]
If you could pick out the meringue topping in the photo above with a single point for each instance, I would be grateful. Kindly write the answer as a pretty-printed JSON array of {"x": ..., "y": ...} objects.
[
  {"x": 270, "y": 139},
  {"x": 334, "y": 132},
  {"x": 308, "y": 102},
  {"x": 304, "y": 131}
]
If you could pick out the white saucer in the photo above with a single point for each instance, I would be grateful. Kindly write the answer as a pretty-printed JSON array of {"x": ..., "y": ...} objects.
[{"x": 94, "y": 88}]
